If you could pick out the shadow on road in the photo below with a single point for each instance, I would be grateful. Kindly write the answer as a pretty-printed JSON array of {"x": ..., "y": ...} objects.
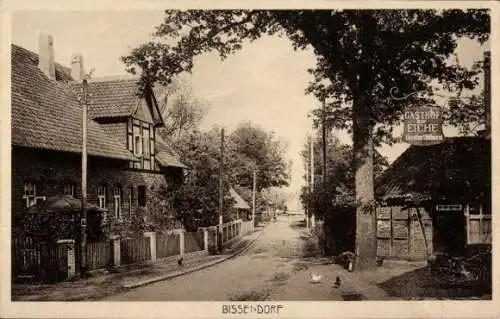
[
  {"x": 419, "y": 284},
  {"x": 298, "y": 225}
]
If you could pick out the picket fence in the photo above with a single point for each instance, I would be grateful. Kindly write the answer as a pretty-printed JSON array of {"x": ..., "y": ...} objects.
[
  {"x": 194, "y": 241},
  {"x": 135, "y": 250},
  {"x": 50, "y": 260},
  {"x": 99, "y": 254},
  {"x": 167, "y": 245}
]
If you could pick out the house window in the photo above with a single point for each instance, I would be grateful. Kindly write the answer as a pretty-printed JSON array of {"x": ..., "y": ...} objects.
[
  {"x": 152, "y": 146},
  {"x": 29, "y": 194},
  {"x": 117, "y": 199},
  {"x": 141, "y": 196},
  {"x": 130, "y": 201},
  {"x": 69, "y": 190},
  {"x": 145, "y": 139},
  {"x": 478, "y": 224},
  {"x": 101, "y": 195},
  {"x": 137, "y": 145}
]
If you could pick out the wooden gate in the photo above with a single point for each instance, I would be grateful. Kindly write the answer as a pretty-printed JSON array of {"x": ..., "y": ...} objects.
[{"x": 38, "y": 261}]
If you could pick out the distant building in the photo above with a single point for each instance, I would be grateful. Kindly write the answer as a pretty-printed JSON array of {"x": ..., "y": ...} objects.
[{"x": 243, "y": 210}]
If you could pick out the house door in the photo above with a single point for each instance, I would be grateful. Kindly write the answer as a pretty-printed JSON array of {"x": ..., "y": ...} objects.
[{"x": 450, "y": 231}]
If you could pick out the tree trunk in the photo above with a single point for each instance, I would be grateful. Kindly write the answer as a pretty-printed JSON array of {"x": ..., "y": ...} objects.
[{"x": 366, "y": 240}]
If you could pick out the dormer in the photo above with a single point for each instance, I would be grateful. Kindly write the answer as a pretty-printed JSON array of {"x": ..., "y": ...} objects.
[{"x": 126, "y": 113}]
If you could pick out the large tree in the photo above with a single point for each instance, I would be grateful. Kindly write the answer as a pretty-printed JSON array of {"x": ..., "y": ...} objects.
[
  {"x": 181, "y": 110},
  {"x": 254, "y": 148},
  {"x": 196, "y": 201},
  {"x": 361, "y": 56}
]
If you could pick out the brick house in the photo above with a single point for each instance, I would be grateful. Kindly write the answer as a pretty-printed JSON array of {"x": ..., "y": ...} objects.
[{"x": 126, "y": 162}]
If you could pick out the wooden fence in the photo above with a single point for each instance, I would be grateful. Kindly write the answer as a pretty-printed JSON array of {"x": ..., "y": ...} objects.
[
  {"x": 230, "y": 231},
  {"x": 99, "y": 254},
  {"x": 193, "y": 241},
  {"x": 134, "y": 250},
  {"x": 49, "y": 261},
  {"x": 167, "y": 245},
  {"x": 246, "y": 227}
]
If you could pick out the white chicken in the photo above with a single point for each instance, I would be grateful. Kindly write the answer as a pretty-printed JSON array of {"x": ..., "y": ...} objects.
[{"x": 315, "y": 278}]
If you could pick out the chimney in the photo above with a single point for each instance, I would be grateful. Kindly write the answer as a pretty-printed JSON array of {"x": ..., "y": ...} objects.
[
  {"x": 487, "y": 93},
  {"x": 46, "y": 55},
  {"x": 77, "y": 72}
]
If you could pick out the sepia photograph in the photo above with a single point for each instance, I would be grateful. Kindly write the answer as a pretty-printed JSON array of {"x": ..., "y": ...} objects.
[{"x": 251, "y": 157}]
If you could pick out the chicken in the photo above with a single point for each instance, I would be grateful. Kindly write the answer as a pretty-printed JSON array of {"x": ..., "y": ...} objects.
[
  {"x": 337, "y": 282},
  {"x": 179, "y": 262},
  {"x": 380, "y": 261},
  {"x": 315, "y": 278},
  {"x": 464, "y": 273}
]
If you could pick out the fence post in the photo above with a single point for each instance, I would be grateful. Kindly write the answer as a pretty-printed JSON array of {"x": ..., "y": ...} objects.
[
  {"x": 181, "y": 241},
  {"x": 69, "y": 244},
  {"x": 152, "y": 243},
  {"x": 214, "y": 229},
  {"x": 116, "y": 249},
  {"x": 205, "y": 238}
]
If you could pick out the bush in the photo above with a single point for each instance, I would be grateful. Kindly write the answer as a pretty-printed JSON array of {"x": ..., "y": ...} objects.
[{"x": 337, "y": 232}]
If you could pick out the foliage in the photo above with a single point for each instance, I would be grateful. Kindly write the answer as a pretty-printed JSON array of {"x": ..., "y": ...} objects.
[
  {"x": 196, "y": 201},
  {"x": 253, "y": 148},
  {"x": 46, "y": 227},
  {"x": 53, "y": 226},
  {"x": 181, "y": 110},
  {"x": 466, "y": 113},
  {"x": 338, "y": 188}
]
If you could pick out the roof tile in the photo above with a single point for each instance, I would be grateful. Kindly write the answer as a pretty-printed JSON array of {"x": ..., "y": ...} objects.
[
  {"x": 46, "y": 113},
  {"x": 112, "y": 96}
]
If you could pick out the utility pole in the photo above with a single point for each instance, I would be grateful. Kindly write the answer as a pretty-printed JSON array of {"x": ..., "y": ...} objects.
[
  {"x": 307, "y": 207},
  {"x": 312, "y": 178},
  {"x": 487, "y": 93},
  {"x": 323, "y": 127},
  {"x": 83, "y": 217},
  {"x": 221, "y": 186},
  {"x": 253, "y": 197}
]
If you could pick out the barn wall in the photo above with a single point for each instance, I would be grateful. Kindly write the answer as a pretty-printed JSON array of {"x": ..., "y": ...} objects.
[{"x": 399, "y": 234}]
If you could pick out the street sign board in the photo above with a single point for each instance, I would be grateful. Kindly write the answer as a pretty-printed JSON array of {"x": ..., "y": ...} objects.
[
  {"x": 423, "y": 125},
  {"x": 456, "y": 207}
]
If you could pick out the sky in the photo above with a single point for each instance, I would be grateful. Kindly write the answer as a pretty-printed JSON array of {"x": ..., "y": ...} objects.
[{"x": 263, "y": 83}]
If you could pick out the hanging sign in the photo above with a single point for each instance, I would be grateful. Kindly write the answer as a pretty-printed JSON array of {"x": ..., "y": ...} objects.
[{"x": 423, "y": 125}]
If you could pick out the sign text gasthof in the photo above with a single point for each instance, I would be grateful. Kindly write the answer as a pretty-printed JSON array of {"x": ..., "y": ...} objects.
[{"x": 423, "y": 125}]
